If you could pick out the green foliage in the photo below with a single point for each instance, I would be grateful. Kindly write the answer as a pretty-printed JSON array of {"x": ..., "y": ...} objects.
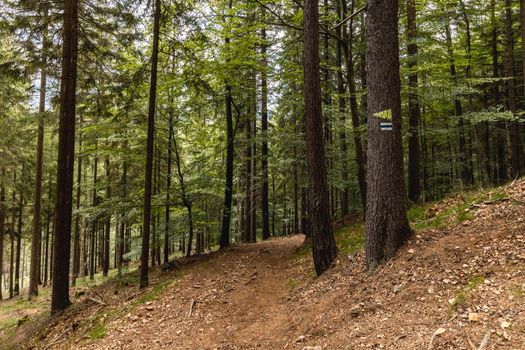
[
  {"x": 350, "y": 239},
  {"x": 98, "y": 331}
]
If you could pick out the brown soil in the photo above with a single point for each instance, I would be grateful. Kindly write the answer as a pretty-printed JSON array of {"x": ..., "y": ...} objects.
[{"x": 446, "y": 289}]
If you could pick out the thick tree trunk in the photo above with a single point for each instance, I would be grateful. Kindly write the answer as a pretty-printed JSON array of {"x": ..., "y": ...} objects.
[
  {"x": 386, "y": 220},
  {"x": 144, "y": 279},
  {"x": 414, "y": 113},
  {"x": 323, "y": 242},
  {"x": 66, "y": 159}
]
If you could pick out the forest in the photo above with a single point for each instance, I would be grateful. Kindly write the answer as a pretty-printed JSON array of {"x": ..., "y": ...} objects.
[{"x": 275, "y": 174}]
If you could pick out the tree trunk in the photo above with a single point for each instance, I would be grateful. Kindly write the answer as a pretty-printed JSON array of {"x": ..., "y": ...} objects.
[
  {"x": 168, "y": 190},
  {"x": 513, "y": 128},
  {"x": 105, "y": 260},
  {"x": 94, "y": 224},
  {"x": 18, "y": 246},
  {"x": 66, "y": 159},
  {"x": 247, "y": 182},
  {"x": 48, "y": 233},
  {"x": 341, "y": 13},
  {"x": 3, "y": 209},
  {"x": 144, "y": 279},
  {"x": 76, "y": 239},
  {"x": 323, "y": 242},
  {"x": 414, "y": 113},
  {"x": 265, "y": 211},
  {"x": 386, "y": 221},
  {"x": 228, "y": 191},
  {"x": 36, "y": 226}
]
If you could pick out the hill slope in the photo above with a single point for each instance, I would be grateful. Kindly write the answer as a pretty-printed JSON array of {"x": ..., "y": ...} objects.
[{"x": 459, "y": 283}]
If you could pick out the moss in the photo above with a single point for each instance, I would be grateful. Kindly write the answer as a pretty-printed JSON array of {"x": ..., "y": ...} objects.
[
  {"x": 517, "y": 291},
  {"x": 98, "y": 331},
  {"x": 155, "y": 291},
  {"x": 475, "y": 281},
  {"x": 350, "y": 239},
  {"x": 292, "y": 283},
  {"x": 303, "y": 251}
]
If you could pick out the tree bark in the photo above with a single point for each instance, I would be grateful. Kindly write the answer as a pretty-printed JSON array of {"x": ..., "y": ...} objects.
[
  {"x": 18, "y": 246},
  {"x": 94, "y": 223},
  {"x": 144, "y": 279},
  {"x": 323, "y": 242},
  {"x": 168, "y": 190},
  {"x": 36, "y": 226},
  {"x": 265, "y": 211},
  {"x": 76, "y": 239},
  {"x": 3, "y": 209},
  {"x": 66, "y": 159},
  {"x": 386, "y": 221},
  {"x": 107, "y": 231},
  {"x": 228, "y": 191}
]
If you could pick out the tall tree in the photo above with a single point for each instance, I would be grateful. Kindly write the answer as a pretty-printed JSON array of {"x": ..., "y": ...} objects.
[
  {"x": 144, "y": 281},
  {"x": 66, "y": 158},
  {"x": 386, "y": 220},
  {"x": 323, "y": 241},
  {"x": 228, "y": 190},
  {"x": 36, "y": 226},
  {"x": 264, "y": 134}
]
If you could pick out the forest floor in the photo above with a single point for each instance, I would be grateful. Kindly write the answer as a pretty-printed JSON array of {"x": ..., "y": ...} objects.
[{"x": 459, "y": 283}]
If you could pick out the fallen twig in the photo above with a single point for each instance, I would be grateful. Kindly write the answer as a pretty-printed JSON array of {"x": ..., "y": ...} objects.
[
  {"x": 485, "y": 340},
  {"x": 101, "y": 302},
  {"x": 57, "y": 340}
]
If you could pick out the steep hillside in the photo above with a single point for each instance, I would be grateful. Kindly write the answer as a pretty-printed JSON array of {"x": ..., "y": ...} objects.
[{"x": 459, "y": 283}]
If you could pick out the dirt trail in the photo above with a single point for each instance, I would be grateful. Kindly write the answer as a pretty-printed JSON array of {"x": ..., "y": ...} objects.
[{"x": 238, "y": 302}]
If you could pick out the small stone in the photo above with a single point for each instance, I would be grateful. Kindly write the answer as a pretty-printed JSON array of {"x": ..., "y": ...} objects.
[
  {"x": 411, "y": 251},
  {"x": 505, "y": 324},
  {"x": 300, "y": 339},
  {"x": 473, "y": 317},
  {"x": 440, "y": 331}
]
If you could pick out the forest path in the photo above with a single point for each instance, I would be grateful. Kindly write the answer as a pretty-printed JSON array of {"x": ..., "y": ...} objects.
[{"x": 238, "y": 299}]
